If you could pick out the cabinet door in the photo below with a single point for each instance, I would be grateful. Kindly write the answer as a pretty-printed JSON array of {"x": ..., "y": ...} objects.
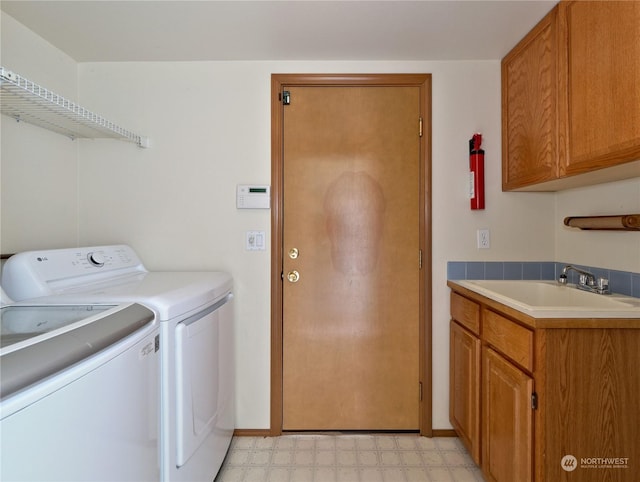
[
  {"x": 464, "y": 388},
  {"x": 530, "y": 149},
  {"x": 603, "y": 83},
  {"x": 507, "y": 438}
]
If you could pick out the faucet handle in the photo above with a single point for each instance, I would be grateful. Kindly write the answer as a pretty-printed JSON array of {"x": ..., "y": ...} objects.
[{"x": 603, "y": 285}]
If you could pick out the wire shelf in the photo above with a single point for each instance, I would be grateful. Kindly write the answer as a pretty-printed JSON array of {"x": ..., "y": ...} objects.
[{"x": 29, "y": 102}]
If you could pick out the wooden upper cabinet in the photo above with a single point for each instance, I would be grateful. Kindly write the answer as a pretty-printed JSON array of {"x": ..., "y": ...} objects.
[
  {"x": 571, "y": 98},
  {"x": 529, "y": 108},
  {"x": 603, "y": 83}
]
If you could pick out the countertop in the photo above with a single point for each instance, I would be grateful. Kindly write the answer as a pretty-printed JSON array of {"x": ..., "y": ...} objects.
[{"x": 552, "y": 316}]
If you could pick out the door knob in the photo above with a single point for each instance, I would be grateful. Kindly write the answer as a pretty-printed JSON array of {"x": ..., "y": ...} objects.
[
  {"x": 293, "y": 276},
  {"x": 293, "y": 253}
]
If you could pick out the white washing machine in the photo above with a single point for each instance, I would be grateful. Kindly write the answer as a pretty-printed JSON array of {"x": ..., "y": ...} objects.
[
  {"x": 195, "y": 314},
  {"x": 78, "y": 393}
]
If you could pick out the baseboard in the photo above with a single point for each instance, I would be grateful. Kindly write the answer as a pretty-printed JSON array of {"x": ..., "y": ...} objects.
[
  {"x": 444, "y": 433},
  {"x": 265, "y": 432},
  {"x": 252, "y": 432}
]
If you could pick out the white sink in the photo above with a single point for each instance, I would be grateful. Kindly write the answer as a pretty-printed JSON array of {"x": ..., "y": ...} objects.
[{"x": 548, "y": 299}]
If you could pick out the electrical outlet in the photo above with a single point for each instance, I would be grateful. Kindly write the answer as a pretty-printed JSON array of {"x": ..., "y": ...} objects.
[{"x": 484, "y": 239}]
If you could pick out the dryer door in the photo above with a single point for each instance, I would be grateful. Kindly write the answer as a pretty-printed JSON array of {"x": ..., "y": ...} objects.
[{"x": 197, "y": 360}]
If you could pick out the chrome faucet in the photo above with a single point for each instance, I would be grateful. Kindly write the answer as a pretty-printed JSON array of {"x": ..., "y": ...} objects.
[{"x": 587, "y": 281}]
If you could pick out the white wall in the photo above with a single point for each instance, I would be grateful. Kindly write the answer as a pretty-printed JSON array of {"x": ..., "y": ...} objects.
[
  {"x": 618, "y": 250},
  {"x": 39, "y": 198},
  {"x": 209, "y": 124}
]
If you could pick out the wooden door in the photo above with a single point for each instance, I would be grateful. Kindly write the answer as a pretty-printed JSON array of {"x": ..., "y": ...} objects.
[
  {"x": 351, "y": 258},
  {"x": 507, "y": 431}
]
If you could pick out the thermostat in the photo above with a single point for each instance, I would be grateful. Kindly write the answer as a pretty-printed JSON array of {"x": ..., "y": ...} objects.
[{"x": 253, "y": 196}]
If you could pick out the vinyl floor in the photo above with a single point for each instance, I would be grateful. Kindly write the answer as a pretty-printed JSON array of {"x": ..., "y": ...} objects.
[{"x": 348, "y": 458}]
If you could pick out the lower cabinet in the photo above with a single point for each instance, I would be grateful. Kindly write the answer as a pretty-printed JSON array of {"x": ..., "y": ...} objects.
[
  {"x": 544, "y": 400},
  {"x": 499, "y": 437},
  {"x": 464, "y": 388},
  {"x": 490, "y": 390},
  {"x": 507, "y": 435}
]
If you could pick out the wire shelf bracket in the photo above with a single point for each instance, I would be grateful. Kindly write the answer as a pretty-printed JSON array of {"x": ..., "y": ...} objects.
[{"x": 29, "y": 102}]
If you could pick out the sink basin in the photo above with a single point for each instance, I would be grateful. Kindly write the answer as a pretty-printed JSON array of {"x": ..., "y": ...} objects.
[{"x": 548, "y": 299}]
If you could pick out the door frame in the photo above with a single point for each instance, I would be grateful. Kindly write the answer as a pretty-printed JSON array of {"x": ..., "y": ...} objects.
[{"x": 278, "y": 81}]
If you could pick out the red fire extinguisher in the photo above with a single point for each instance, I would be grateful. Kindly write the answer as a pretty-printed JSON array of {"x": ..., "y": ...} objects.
[{"x": 476, "y": 174}]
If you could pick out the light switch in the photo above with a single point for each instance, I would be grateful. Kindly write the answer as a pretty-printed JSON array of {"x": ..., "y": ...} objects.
[{"x": 256, "y": 241}]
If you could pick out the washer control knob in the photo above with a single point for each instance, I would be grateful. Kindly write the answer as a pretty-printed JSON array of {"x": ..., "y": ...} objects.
[{"x": 96, "y": 259}]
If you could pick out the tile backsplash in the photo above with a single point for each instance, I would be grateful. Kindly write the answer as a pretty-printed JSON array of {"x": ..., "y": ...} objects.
[{"x": 622, "y": 282}]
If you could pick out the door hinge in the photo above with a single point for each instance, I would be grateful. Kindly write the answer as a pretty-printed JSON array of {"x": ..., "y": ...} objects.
[
  {"x": 420, "y": 391},
  {"x": 286, "y": 97},
  {"x": 420, "y": 258},
  {"x": 420, "y": 127},
  {"x": 534, "y": 401}
]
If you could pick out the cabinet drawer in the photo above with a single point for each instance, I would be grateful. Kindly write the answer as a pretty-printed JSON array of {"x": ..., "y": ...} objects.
[
  {"x": 465, "y": 312},
  {"x": 513, "y": 340}
]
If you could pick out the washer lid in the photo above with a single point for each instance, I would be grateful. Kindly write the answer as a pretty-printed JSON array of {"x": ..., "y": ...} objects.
[
  {"x": 20, "y": 323},
  {"x": 4, "y": 298},
  {"x": 26, "y": 362}
]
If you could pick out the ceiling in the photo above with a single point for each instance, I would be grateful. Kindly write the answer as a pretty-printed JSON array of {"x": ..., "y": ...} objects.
[{"x": 184, "y": 30}]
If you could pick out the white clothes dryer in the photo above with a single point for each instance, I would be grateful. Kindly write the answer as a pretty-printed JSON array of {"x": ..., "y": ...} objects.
[{"x": 195, "y": 313}]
